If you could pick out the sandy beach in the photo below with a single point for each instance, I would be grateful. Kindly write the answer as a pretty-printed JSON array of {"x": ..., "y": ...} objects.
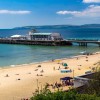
[{"x": 20, "y": 81}]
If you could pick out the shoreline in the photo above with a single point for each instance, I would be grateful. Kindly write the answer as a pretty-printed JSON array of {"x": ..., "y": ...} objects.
[{"x": 46, "y": 61}]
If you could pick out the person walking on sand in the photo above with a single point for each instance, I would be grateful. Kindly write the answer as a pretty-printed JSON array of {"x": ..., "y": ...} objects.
[
  {"x": 59, "y": 67},
  {"x": 53, "y": 68}
]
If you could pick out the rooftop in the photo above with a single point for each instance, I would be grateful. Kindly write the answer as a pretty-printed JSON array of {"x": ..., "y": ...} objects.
[
  {"x": 41, "y": 33},
  {"x": 16, "y": 36}
]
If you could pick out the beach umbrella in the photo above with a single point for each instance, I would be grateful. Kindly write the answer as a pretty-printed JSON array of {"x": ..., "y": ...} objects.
[
  {"x": 65, "y": 64},
  {"x": 58, "y": 61}
]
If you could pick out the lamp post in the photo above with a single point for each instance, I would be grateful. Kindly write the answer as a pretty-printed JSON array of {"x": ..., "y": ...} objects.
[
  {"x": 73, "y": 79},
  {"x": 37, "y": 85},
  {"x": 73, "y": 73}
]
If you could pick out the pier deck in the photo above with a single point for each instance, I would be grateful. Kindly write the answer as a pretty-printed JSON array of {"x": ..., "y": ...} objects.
[{"x": 33, "y": 42}]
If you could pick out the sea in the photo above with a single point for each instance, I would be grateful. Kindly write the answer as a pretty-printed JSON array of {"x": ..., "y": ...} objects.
[{"x": 14, "y": 54}]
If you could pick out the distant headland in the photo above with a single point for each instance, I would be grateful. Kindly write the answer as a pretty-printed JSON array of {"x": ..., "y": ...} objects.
[{"x": 60, "y": 26}]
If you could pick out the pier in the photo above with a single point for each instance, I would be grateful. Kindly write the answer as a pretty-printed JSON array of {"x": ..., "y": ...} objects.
[
  {"x": 50, "y": 42},
  {"x": 84, "y": 42},
  {"x": 47, "y": 39},
  {"x": 36, "y": 42}
]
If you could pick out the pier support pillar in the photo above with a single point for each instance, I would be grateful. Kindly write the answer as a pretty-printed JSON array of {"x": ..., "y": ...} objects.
[
  {"x": 82, "y": 44},
  {"x": 99, "y": 45}
]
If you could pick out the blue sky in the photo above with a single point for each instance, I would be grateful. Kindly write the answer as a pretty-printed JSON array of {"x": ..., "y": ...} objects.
[{"x": 16, "y": 13}]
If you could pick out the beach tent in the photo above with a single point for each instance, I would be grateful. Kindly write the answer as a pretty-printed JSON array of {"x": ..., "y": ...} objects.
[
  {"x": 66, "y": 78},
  {"x": 66, "y": 81},
  {"x": 65, "y": 71}
]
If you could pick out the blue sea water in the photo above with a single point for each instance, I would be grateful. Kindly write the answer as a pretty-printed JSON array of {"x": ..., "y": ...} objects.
[{"x": 11, "y": 54}]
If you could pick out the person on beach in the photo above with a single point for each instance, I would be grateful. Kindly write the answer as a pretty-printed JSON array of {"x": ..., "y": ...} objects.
[
  {"x": 79, "y": 69},
  {"x": 59, "y": 68},
  {"x": 37, "y": 75},
  {"x": 53, "y": 68},
  {"x": 52, "y": 60},
  {"x": 42, "y": 71},
  {"x": 7, "y": 75},
  {"x": 86, "y": 57}
]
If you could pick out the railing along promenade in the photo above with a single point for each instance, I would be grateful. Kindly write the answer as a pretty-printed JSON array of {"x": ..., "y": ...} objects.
[{"x": 84, "y": 42}]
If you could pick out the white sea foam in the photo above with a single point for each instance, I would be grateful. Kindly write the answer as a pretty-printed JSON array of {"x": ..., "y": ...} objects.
[{"x": 12, "y": 65}]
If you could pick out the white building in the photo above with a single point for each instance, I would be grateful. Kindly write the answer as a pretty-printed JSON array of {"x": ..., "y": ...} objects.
[
  {"x": 44, "y": 36},
  {"x": 79, "y": 81},
  {"x": 18, "y": 37}
]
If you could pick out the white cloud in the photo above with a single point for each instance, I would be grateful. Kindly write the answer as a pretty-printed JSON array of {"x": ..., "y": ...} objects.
[
  {"x": 91, "y": 11},
  {"x": 91, "y": 1},
  {"x": 67, "y": 12},
  {"x": 14, "y": 12}
]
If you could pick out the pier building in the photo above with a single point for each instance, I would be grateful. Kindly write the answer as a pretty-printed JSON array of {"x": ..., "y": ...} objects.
[{"x": 44, "y": 36}]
